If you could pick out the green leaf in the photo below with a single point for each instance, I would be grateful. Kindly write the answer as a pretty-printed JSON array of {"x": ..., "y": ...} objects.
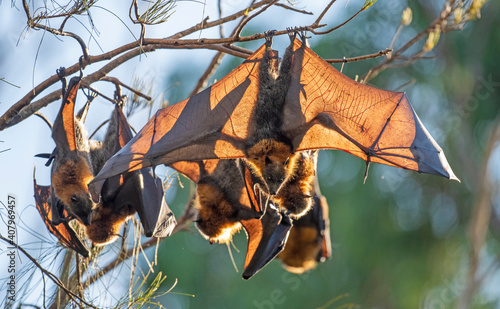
[{"x": 368, "y": 3}]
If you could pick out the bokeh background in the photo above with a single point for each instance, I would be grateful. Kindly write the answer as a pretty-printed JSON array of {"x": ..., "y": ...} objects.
[{"x": 399, "y": 241}]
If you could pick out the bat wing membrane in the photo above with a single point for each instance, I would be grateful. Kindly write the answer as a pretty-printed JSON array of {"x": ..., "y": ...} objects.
[
  {"x": 64, "y": 125},
  {"x": 141, "y": 189},
  {"x": 266, "y": 239},
  {"x": 62, "y": 231},
  {"x": 212, "y": 124},
  {"x": 326, "y": 109},
  {"x": 209, "y": 125}
]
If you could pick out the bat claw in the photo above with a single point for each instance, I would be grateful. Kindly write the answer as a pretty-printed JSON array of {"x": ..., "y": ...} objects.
[
  {"x": 61, "y": 73},
  {"x": 303, "y": 34},
  {"x": 82, "y": 66},
  {"x": 269, "y": 37},
  {"x": 292, "y": 32}
]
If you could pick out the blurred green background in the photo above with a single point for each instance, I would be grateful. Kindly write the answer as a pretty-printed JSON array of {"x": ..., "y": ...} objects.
[{"x": 400, "y": 240}]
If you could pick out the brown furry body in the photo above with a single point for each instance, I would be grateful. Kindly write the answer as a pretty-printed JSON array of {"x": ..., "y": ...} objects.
[
  {"x": 296, "y": 194},
  {"x": 106, "y": 224},
  {"x": 107, "y": 220},
  {"x": 71, "y": 173},
  {"x": 302, "y": 249},
  {"x": 221, "y": 199},
  {"x": 309, "y": 239},
  {"x": 270, "y": 153}
]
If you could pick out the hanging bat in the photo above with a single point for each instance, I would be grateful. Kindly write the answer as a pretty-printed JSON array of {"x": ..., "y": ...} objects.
[
  {"x": 123, "y": 195},
  {"x": 310, "y": 105},
  {"x": 227, "y": 198},
  {"x": 139, "y": 191},
  {"x": 71, "y": 167},
  {"x": 309, "y": 239}
]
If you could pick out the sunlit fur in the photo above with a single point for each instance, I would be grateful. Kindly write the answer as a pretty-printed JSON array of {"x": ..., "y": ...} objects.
[
  {"x": 301, "y": 250},
  {"x": 106, "y": 224},
  {"x": 216, "y": 217},
  {"x": 296, "y": 193},
  {"x": 70, "y": 180},
  {"x": 273, "y": 161},
  {"x": 221, "y": 202}
]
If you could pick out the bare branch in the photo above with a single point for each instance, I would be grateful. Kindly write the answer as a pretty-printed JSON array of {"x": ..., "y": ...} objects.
[
  {"x": 35, "y": 25},
  {"x": 293, "y": 9},
  {"x": 204, "y": 24},
  {"x": 337, "y": 27},
  {"x": 320, "y": 17},
  {"x": 116, "y": 81},
  {"x": 246, "y": 20},
  {"x": 353, "y": 59}
]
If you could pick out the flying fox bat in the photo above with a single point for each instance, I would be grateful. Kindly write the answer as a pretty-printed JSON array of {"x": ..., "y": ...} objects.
[
  {"x": 309, "y": 239},
  {"x": 228, "y": 198},
  {"x": 123, "y": 195},
  {"x": 310, "y": 105},
  {"x": 71, "y": 168}
]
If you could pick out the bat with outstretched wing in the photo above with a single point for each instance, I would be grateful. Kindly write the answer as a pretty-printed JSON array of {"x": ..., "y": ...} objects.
[
  {"x": 74, "y": 157},
  {"x": 121, "y": 196},
  {"x": 228, "y": 197},
  {"x": 267, "y": 118}
]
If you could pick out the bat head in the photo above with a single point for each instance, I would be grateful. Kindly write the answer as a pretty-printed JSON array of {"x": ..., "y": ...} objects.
[
  {"x": 70, "y": 179},
  {"x": 106, "y": 224},
  {"x": 273, "y": 161}
]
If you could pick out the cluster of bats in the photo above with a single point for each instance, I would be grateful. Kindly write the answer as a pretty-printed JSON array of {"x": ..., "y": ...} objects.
[{"x": 250, "y": 142}]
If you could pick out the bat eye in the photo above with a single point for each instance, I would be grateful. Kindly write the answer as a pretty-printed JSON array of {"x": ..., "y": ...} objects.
[
  {"x": 282, "y": 179},
  {"x": 73, "y": 198},
  {"x": 269, "y": 178}
]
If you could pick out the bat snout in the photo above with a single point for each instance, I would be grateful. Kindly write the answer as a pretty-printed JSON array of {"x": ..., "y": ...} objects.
[
  {"x": 87, "y": 220},
  {"x": 82, "y": 208}
]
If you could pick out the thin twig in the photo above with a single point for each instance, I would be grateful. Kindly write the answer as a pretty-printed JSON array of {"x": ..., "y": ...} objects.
[
  {"x": 116, "y": 81},
  {"x": 182, "y": 224},
  {"x": 98, "y": 128},
  {"x": 320, "y": 17},
  {"x": 293, "y": 9},
  {"x": 246, "y": 20},
  {"x": 50, "y": 275},
  {"x": 337, "y": 27},
  {"x": 353, "y": 59},
  {"x": 212, "y": 67},
  {"x": 47, "y": 121}
]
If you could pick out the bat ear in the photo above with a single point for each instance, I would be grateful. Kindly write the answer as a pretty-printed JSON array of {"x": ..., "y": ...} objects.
[
  {"x": 49, "y": 156},
  {"x": 266, "y": 239}
]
